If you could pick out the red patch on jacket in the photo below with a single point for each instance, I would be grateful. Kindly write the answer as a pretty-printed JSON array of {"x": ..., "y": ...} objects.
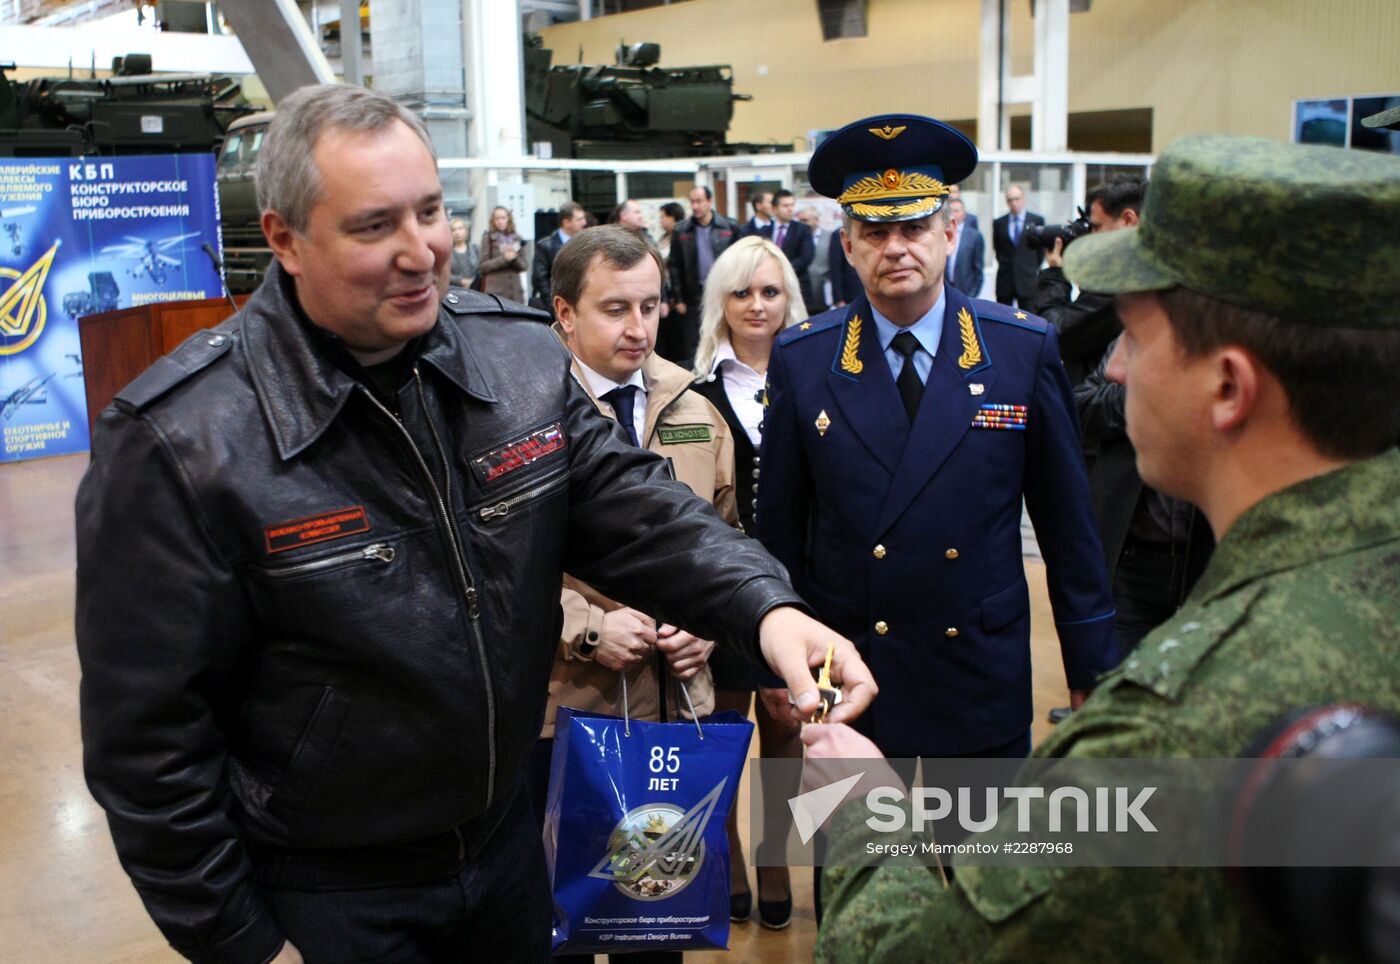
[
  {"x": 517, "y": 455},
  {"x": 312, "y": 529}
]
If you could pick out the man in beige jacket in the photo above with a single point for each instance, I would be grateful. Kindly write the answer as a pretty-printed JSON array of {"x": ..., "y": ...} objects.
[{"x": 607, "y": 289}]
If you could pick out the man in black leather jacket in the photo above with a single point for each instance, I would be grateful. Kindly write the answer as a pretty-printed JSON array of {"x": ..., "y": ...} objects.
[
  {"x": 319, "y": 557},
  {"x": 1087, "y": 324}
]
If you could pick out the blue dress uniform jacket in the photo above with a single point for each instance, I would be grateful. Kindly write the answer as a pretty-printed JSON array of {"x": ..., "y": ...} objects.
[{"x": 907, "y": 538}]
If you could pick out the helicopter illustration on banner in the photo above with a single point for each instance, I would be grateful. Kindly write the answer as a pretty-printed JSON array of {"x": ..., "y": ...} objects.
[{"x": 149, "y": 254}]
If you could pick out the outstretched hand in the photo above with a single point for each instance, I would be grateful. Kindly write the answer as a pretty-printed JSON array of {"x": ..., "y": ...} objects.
[{"x": 795, "y": 644}]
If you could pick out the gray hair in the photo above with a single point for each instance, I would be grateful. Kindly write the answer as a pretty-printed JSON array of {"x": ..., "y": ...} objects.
[
  {"x": 288, "y": 180},
  {"x": 732, "y": 271}
]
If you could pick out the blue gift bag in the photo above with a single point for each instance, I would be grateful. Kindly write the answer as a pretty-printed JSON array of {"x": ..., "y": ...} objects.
[{"x": 634, "y": 831}]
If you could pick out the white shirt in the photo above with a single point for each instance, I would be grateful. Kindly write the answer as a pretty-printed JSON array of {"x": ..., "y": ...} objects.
[
  {"x": 600, "y": 385},
  {"x": 743, "y": 387}
]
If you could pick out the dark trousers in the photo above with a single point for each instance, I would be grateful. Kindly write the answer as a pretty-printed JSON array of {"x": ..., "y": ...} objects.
[
  {"x": 539, "y": 792},
  {"x": 341, "y": 906},
  {"x": 1149, "y": 585}
]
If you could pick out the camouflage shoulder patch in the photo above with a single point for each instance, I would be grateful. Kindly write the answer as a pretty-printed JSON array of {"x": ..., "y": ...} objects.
[
  {"x": 999, "y": 892},
  {"x": 1007, "y": 315},
  {"x": 1165, "y": 659}
]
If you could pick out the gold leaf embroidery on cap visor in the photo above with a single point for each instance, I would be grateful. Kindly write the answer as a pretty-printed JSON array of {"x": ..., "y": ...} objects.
[{"x": 903, "y": 184}]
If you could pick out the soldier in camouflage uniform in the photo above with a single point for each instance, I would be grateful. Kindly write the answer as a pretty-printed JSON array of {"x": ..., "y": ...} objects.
[{"x": 1261, "y": 302}]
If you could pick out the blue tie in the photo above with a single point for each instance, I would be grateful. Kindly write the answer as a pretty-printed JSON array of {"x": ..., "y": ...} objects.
[
  {"x": 1015, "y": 230},
  {"x": 623, "y": 401}
]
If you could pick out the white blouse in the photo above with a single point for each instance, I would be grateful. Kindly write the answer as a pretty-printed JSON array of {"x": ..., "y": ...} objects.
[{"x": 744, "y": 388}]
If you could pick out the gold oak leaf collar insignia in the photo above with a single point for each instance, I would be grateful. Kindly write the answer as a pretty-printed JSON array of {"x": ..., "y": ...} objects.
[
  {"x": 850, "y": 362},
  {"x": 971, "y": 355}
]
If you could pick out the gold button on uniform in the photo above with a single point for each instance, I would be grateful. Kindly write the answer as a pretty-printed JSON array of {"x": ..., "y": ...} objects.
[
  {"x": 951, "y": 554},
  {"x": 881, "y": 628},
  {"x": 950, "y": 632},
  {"x": 879, "y": 552}
]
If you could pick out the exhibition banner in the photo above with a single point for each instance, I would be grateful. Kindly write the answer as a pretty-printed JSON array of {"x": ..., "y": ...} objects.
[{"x": 80, "y": 236}]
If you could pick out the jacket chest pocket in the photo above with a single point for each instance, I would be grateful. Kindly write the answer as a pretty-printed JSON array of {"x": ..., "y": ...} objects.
[
  {"x": 323, "y": 597},
  {"x": 374, "y": 554},
  {"x": 536, "y": 491}
]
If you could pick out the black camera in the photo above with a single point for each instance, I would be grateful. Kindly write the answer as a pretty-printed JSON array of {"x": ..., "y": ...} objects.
[{"x": 1042, "y": 236}]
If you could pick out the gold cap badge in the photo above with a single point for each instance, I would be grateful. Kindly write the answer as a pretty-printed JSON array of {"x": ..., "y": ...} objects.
[{"x": 887, "y": 133}]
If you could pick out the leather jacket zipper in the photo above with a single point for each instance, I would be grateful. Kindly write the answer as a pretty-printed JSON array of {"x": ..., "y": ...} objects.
[
  {"x": 378, "y": 552},
  {"x": 444, "y": 502},
  {"x": 497, "y": 509}
]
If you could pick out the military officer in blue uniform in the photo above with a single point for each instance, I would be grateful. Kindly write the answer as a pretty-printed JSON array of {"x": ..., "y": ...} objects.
[{"x": 902, "y": 432}]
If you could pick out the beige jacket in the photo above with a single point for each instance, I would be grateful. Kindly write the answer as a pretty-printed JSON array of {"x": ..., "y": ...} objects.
[{"x": 685, "y": 428}]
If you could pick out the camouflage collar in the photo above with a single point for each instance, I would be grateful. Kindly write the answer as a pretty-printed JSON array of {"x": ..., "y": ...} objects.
[{"x": 1353, "y": 508}]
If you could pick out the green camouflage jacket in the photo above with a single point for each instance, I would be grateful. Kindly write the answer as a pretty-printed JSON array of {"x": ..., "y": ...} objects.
[{"x": 1300, "y": 606}]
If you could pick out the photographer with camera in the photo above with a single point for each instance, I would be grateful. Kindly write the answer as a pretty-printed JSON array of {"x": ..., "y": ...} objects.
[{"x": 1088, "y": 323}]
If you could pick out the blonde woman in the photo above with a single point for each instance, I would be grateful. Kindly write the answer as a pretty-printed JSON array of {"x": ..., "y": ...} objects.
[{"x": 751, "y": 294}]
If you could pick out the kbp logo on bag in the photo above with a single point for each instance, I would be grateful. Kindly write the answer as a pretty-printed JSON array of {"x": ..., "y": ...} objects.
[{"x": 656, "y": 849}]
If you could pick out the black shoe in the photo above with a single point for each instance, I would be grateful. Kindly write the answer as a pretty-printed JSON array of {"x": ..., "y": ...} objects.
[
  {"x": 741, "y": 906},
  {"x": 1059, "y": 714},
  {"x": 774, "y": 914}
]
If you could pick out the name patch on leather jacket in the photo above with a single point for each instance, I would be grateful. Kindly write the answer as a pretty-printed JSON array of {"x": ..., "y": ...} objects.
[
  {"x": 520, "y": 453},
  {"x": 311, "y": 529}
]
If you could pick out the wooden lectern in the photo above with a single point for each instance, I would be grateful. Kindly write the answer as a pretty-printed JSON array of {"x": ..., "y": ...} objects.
[{"x": 119, "y": 345}]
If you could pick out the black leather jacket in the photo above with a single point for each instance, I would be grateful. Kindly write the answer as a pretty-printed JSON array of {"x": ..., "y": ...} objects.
[
  {"x": 684, "y": 263},
  {"x": 305, "y": 622},
  {"x": 1085, "y": 324}
]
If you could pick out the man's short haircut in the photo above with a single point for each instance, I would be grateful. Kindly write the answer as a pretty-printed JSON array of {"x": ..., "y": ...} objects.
[
  {"x": 757, "y": 199},
  {"x": 568, "y": 211},
  {"x": 709, "y": 195},
  {"x": 781, "y": 193},
  {"x": 616, "y": 216},
  {"x": 288, "y": 181},
  {"x": 1340, "y": 382},
  {"x": 1121, "y": 192},
  {"x": 620, "y": 248},
  {"x": 673, "y": 211}
]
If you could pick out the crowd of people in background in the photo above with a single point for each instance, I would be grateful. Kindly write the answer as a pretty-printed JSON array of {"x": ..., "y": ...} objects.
[{"x": 690, "y": 243}]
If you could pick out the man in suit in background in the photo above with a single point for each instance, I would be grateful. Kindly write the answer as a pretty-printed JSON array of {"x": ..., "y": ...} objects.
[
  {"x": 695, "y": 243},
  {"x": 965, "y": 263},
  {"x": 845, "y": 283},
  {"x": 1017, "y": 264},
  {"x": 795, "y": 240},
  {"x": 955, "y": 194},
  {"x": 761, "y": 223},
  {"x": 820, "y": 269},
  {"x": 572, "y": 220}
]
